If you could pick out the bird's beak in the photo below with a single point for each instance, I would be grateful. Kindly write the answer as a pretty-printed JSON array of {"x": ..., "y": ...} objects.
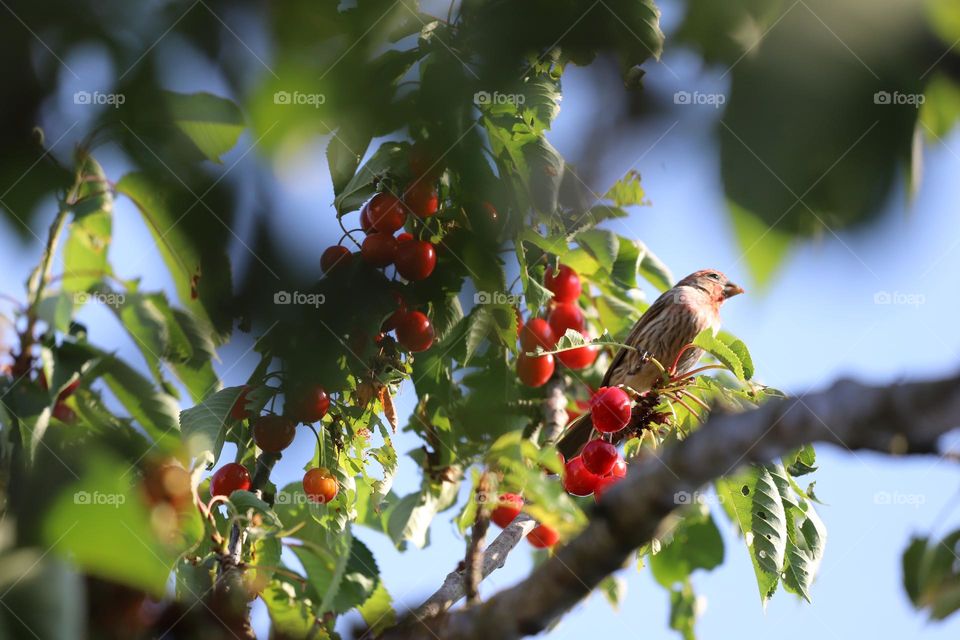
[{"x": 730, "y": 289}]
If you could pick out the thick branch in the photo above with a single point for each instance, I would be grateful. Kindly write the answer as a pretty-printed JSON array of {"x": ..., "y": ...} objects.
[
  {"x": 554, "y": 409},
  {"x": 899, "y": 419}
]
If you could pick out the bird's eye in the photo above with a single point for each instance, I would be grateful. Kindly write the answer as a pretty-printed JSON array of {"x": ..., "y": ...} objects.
[{"x": 713, "y": 276}]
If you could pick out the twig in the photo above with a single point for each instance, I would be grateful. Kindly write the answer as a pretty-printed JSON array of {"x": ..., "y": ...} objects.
[{"x": 473, "y": 561}]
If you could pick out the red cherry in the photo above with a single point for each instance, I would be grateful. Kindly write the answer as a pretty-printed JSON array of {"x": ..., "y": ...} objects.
[
  {"x": 619, "y": 468},
  {"x": 365, "y": 219},
  {"x": 610, "y": 407},
  {"x": 603, "y": 484},
  {"x": 565, "y": 316},
  {"x": 310, "y": 405},
  {"x": 509, "y": 508},
  {"x": 414, "y": 331},
  {"x": 579, "y": 358},
  {"x": 422, "y": 199},
  {"x": 535, "y": 371},
  {"x": 273, "y": 433},
  {"x": 491, "y": 211},
  {"x": 577, "y": 479},
  {"x": 386, "y": 213},
  {"x": 333, "y": 257},
  {"x": 536, "y": 332},
  {"x": 404, "y": 237},
  {"x": 599, "y": 457},
  {"x": 320, "y": 485},
  {"x": 68, "y": 390},
  {"x": 239, "y": 410},
  {"x": 416, "y": 259},
  {"x": 543, "y": 536},
  {"x": 378, "y": 249},
  {"x": 63, "y": 413},
  {"x": 565, "y": 284},
  {"x": 229, "y": 478}
]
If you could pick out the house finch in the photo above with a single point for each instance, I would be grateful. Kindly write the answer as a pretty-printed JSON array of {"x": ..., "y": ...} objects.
[{"x": 671, "y": 323}]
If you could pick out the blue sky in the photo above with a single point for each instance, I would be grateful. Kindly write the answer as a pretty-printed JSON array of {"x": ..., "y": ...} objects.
[{"x": 817, "y": 321}]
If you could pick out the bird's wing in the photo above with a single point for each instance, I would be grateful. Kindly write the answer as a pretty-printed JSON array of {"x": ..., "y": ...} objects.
[{"x": 652, "y": 314}]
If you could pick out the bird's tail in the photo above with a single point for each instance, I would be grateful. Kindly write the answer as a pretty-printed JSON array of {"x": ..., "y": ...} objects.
[{"x": 576, "y": 436}]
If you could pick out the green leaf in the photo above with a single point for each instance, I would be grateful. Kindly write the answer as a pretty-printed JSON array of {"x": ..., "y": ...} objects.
[
  {"x": 212, "y": 123},
  {"x": 754, "y": 503},
  {"x": 805, "y": 546},
  {"x": 695, "y": 543},
  {"x": 390, "y": 157},
  {"x": 684, "y": 610},
  {"x": 409, "y": 520},
  {"x": 90, "y": 231},
  {"x": 653, "y": 269},
  {"x": 165, "y": 334},
  {"x": 204, "y": 425},
  {"x": 102, "y": 526},
  {"x": 545, "y": 174},
  {"x": 378, "y": 612},
  {"x": 604, "y": 246},
  {"x": 197, "y": 263},
  {"x": 291, "y": 613},
  {"x": 246, "y": 500},
  {"x": 707, "y": 341},
  {"x": 344, "y": 152},
  {"x": 152, "y": 408},
  {"x": 614, "y": 589},
  {"x": 626, "y": 191}
]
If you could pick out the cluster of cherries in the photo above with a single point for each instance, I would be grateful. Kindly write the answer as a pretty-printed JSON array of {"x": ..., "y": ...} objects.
[
  {"x": 565, "y": 313},
  {"x": 273, "y": 434},
  {"x": 600, "y": 465},
  {"x": 380, "y": 218}
]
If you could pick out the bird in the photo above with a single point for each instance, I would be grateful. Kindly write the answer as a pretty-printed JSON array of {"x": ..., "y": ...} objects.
[{"x": 668, "y": 325}]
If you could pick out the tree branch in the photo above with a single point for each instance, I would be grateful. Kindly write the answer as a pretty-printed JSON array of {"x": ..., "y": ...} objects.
[
  {"x": 897, "y": 419},
  {"x": 494, "y": 557}
]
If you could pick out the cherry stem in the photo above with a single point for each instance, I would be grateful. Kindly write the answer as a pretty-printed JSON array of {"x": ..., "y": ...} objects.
[
  {"x": 686, "y": 347},
  {"x": 319, "y": 442},
  {"x": 690, "y": 374}
]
